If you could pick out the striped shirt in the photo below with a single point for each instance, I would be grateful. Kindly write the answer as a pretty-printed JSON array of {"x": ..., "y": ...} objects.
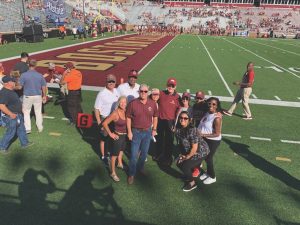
[{"x": 141, "y": 114}]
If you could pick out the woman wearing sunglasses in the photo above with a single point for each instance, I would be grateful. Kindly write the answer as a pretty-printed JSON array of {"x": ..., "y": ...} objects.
[
  {"x": 184, "y": 106},
  {"x": 193, "y": 149},
  {"x": 210, "y": 129}
]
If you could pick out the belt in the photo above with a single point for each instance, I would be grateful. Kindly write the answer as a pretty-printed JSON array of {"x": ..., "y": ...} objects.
[
  {"x": 75, "y": 90},
  {"x": 141, "y": 129}
]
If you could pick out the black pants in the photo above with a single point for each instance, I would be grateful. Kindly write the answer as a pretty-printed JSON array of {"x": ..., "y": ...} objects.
[
  {"x": 213, "y": 145},
  {"x": 187, "y": 167},
  {"x": 165, "y": 138},
  {"x": 74, "y": 104}
]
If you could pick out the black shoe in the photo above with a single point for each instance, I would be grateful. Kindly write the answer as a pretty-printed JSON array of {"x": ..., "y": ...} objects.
[{"x": 189, "y": 187}]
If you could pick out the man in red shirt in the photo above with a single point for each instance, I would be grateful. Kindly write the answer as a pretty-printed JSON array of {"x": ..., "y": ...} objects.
[
  {"x": 168, "y": 105},
  {"x": 243, "y": 93},
  {"x": 141, "y": 119}
]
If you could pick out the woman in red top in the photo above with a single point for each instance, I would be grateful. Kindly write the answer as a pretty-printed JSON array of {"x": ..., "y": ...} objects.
[{"x": 118, "y": 135}]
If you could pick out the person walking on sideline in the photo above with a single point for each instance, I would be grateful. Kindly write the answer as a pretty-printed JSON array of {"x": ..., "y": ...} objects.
[
  {"x": 11, "y": 107},
  {"x": 243, "y": 93},
  {"x": 141, "y": 116},
  {"x": 34, "y": 90}
]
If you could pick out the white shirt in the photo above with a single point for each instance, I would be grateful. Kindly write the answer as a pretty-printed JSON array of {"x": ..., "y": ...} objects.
[
  {"x": 129, "y": 92},
  {"x": 1, "y": 83},
  {"x": 206, "y": 125},
  {"x": 106, "y": 101}
]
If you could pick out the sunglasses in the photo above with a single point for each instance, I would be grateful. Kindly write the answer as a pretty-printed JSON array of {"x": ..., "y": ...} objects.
[
  {"x": 199, "y": 98},
  {"x": 183, "y": 118},
  {"x": 132, "y": 77},
  {"x": 214, "y": 104},
  {"x": 185, "y": 99},
  {"x": 155, "y": 94},
  {"x": 143, "y": 91},
  {"x": 171, "y": 85},
  {"x": 111, "y": 81}
]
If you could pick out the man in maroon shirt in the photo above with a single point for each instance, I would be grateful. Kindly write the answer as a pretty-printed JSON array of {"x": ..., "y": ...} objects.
[
  {"x": 168, "y": 105},
  {"x": 243, "y": 93},
  {"x": 141, "y": 118}
]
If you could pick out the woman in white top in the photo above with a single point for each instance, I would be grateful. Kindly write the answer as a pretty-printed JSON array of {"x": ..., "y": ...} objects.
[{"x": 210, "y": 129}]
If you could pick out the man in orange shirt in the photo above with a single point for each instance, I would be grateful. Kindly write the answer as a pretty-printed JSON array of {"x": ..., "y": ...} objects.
[
  {"x": 243, "y": 93},
  {"x": 73, "y": 79}
]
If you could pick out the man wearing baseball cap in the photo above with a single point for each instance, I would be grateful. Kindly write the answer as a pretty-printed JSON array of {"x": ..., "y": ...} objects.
[
  {"x": 11, "y": 107},
  {"x": 105, "y": 103},
  {"x": 130, "y": 89},
  {"x": 199, "y": 107},
  {"x": 168, "y": 105},
  {"x": 73, "y": 79}
]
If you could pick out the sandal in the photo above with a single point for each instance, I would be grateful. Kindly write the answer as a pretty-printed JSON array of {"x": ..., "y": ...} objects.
[
  {"x": 120, "y": 167},
  {"x": 115, "y": 177}
]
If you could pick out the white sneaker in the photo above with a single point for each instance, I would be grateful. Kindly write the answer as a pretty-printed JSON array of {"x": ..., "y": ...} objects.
[
  {"x": 203, "y": 176},
  {"x": 210, "y": 180}
]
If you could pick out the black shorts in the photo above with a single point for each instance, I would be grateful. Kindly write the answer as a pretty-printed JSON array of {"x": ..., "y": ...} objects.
[{"x": 117, "y": 145}]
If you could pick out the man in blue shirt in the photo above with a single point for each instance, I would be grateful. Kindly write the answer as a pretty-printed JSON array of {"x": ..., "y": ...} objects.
[{"x": 34, "y": 90}]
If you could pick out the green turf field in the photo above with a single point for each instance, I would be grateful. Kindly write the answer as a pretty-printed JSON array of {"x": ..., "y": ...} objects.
[{"x": 252, "y": 186}]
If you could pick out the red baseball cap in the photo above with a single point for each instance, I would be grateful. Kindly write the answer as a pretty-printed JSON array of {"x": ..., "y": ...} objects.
[
  {"x": 172, "y": 81},
  {"x": 186, "y": 95},
  {"x": 133, "y": 73},
  {"x": 69, "y": 65}
]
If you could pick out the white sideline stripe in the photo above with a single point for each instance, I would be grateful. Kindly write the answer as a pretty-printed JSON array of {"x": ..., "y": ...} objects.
[
  {"x": 254, "y": 96},
  {"x": 49, "y": 117},
  {"x": 231, "y": 135},
  {"x": 209, "y": 92},
  {"x": 274, "y": 47},
  {"x": 262, "y": 58},
  {"x": 67, "y": 46},
  {"x": 220, "y": 74},
  {"x": 277, "y": 98},
  {"x": 289, "y": 141},
  {"x": 260, "y": 138},
  {"x": 156, "y": 55},
  {"x": 222, "y": 98}
]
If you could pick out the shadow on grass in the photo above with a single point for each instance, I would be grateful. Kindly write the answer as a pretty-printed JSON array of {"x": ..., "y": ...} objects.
[
  {"x": 283, "y": 222},
  {"x": 262, "y": 164},
  {"x": 82, "y": 203}
]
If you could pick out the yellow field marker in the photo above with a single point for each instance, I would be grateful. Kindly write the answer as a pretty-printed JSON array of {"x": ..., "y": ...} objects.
[
  {"x": 55, "y": 134},
  {"x": 283, "y": 159}
]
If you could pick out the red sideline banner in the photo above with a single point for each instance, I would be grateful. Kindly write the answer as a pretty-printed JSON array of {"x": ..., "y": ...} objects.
[{"x": 84, "y": 120}]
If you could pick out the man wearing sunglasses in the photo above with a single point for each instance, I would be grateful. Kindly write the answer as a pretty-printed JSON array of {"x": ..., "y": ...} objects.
[
  {"x": 130, "y": 89},
  {"x": 141, "y": 118},
  {"x": 105, "y": 103},
  {"x": 168, "y": 105},
  {"x": 199, "y": 108}
]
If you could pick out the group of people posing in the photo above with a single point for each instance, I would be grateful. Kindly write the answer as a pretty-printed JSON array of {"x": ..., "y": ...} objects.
[{"x": 135, "y": 116}]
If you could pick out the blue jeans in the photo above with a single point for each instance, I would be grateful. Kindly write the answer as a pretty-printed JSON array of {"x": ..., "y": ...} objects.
[
  {"x": 13, "y": 127},
  {"x": 139, "y": 144}
]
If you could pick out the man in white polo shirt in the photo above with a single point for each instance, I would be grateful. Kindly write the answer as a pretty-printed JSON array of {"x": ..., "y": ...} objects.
[
  {"x": 105, "y": 103},
  {"x": 131, "y": 88}
]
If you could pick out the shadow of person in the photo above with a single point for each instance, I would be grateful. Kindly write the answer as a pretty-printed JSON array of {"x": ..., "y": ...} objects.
[
  {"x": 33, "y": 192},
  {"x": 78, "y": 204},
  {"x": 262, "y": 164}
]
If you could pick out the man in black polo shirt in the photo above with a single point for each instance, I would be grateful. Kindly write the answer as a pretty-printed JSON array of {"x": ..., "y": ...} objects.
[
  {"x": 22, "y": 66},
  {"x": 11, "y": 107}
]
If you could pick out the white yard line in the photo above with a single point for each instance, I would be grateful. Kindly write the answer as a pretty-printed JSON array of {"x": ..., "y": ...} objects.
[
  {"x": 219, "y": 72},
  {"x": 254, "y": 96},
  {"x": 298, "y": 98},
  {"x": 66, "y": 46},
  {"x": 273, "y": 47},
  {"x": 49, "y": 117},
  {"x": 65, "y": 119},
  {"x": 260, "y": 138},
  {"x": 277, "y": 98},
  {"x": 209, "y": 92},
  {"x": 231, "y": 135},
  {"x": 262, "y": 58},
  {"x": 290, "y": 142},
  {"x": 140, "y": 71}
]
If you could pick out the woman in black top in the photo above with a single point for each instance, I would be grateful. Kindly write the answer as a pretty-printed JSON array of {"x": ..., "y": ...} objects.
[{"x": 193, "y": 149}]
